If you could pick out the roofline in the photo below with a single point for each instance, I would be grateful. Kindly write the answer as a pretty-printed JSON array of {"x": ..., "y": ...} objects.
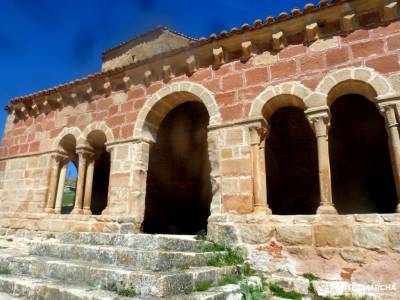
[{"x": 257, "y": 25}]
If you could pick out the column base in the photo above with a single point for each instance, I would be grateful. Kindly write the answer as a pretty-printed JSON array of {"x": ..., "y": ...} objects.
[
  {"x": 262, "y": 210},
  {"x": 77, "y": 211},
  {"x": 326, "y": 210},
  {"x": 398, "y": 208},
  {"x": 87, "y": 211},
  {"x": 49, "y": 210},
  {"x": 57, "y": 210}
]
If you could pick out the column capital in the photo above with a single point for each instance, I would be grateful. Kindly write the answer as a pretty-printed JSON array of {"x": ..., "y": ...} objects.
[
  {"x": 85, "y": 152},
  {"x": 60, "y": 157},
  {"x": 258, "y": 134},
  {"x": 320, "y": 119}
]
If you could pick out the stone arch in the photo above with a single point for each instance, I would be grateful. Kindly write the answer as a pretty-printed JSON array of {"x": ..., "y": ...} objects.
[
  {"x": 275, "y": 97},
  {"x": 100, "y": 126},
  {"x": 364, "y": 81},
  {"x": 74, "y": 131},
  {"x": 169, "y": 97}
]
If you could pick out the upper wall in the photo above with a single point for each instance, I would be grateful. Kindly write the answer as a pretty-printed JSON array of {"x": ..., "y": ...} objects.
[{"x": 234, "y": 85}]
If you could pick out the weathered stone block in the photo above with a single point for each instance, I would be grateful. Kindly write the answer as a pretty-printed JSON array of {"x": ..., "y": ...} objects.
[
  {"x": 294, "y": 234},
  {"x": 222, "y": 233},
  {"x": 255, "y": 233},
  {"x": 394, "y": 236},
  {"x": 353, "y": 255},
  {"x": 369, "y": 236},
  {"x": 332, "y": 235}
]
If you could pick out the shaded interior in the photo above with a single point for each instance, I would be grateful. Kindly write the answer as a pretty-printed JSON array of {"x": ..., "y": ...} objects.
[
  {"x": 291, "y": 164},
  {"x": 362, "y": 178},
  {"x": 178, "y": 192}
]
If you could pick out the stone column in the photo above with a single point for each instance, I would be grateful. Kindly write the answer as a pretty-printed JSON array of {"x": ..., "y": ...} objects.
[
  {"x": 80, "y": 185},
  {"x": 258, "y": 135},
  {"x": 55, "y": 170},
  {"x": 320, "y": 120},
  {"x": 60, "y": 189},
  {"x": 87, "y": 201},
  {"x": 389, "y": 112}
]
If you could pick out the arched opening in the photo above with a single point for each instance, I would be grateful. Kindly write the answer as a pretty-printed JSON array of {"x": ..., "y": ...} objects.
[
  {"x": 67, "y": 177},
  {"x": 101, "y": 175},
  {"x": 178, "y": 194},
  {"x": 291, "y": 163},
  {"x": 69, "y": 189},
  {"x": 362, "y": 178}
]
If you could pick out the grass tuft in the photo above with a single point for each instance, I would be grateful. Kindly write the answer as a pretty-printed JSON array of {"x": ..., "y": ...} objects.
[
  {"x": 5, "y": 270},
  {"x": 229, "y": 279},
  {"x": 203, "y": 286},
  {"x": 201, "y": 235},
  {"x": 280, "y": 292},
  {"x": 310, "y": 276},
  {"x": 251, "y": 292}
]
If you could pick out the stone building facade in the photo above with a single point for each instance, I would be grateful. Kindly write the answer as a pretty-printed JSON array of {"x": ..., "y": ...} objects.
[{"x": 301, "y": 136}]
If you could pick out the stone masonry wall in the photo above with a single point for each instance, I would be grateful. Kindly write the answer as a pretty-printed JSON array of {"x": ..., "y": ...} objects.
[{"x": 234, "y": 85}]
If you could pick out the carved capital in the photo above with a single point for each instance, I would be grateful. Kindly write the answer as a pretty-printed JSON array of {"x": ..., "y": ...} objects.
[
  {"x": 258, "y": 135},
  {"x": 60, "y": 157},
  {"x": 319, "y": 120}
]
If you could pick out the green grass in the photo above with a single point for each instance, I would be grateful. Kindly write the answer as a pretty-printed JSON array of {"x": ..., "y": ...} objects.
[
  {"x": 245, "y": 270},
  {"x": 68, "y": 199},
  {"x": 5, "y": 270},
  {"x": 201, "y": 235},
  {"x": 184, "y": 267},
  {"x": 251, "y": 292},
  {"x": 210, "y": 247},
  {"x": 310, "y": 276},
  {"x": 126, "y": 292},
  {"x": 230, "y": 258},
  {"x": 280, "y": 292},
  {"x": 203, "y": 286},
  {"x": 229, "y": 279}
]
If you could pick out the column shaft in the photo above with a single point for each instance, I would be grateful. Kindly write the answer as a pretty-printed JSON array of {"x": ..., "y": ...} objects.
[
  {"x": 88, "y": 187},
  {"x": 257, "y": 140},
  {"x": 394, "y": 143},
  {"x": 80, "y": 183},
  {"x": 60, "y": 189},
  {"x": 320, "y": 122},
  {"x": 52, "y": 184}
]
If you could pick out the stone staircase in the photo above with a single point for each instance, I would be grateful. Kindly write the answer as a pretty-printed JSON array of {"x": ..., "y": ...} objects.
[{"x": 101, "y": 266}]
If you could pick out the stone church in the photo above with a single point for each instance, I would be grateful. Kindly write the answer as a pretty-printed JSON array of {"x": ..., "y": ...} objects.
[{"x": 281, "y": 136}]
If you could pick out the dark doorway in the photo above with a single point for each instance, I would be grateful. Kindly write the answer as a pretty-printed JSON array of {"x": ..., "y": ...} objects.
[
  {"x": 101, "y": 180},
  {"x": 178, "y": 192},
  {"x": 291, "y": 164},
  {"x": 362, "y": 178}
]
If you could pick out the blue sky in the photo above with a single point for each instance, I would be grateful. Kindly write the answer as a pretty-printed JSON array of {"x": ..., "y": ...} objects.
[{"x": 47, "y": 42}]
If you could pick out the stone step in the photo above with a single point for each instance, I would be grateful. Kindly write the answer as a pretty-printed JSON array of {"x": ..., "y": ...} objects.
[
  {"x": 159, "y": 284},
  {"x": 46, "y": 289},
  {"x": 155, "y": 260},
  {"x": 4, "y": 296},
  {"x": 135, "y": 241},
  {"x": 230, "y": 291}
]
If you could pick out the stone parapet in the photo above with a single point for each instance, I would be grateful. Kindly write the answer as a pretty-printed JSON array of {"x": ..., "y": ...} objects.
[{"x": 26, "y": 224}]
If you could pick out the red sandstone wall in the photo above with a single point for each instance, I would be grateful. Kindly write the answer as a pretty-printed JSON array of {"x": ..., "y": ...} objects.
[{"x": 235, "y": 85}]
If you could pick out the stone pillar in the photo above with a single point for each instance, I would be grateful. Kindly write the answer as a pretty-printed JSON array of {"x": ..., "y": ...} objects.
[
  {"x": 258, "y": 135},
  {"x": 389, "y": 112},
  {"x": 60, "y": 189},
  {"x": 87, "y": 201},
  {"x": 80, "y": 185},
  {"x": 320, "y": 120},
  {"x": 55, "y": 170}
]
